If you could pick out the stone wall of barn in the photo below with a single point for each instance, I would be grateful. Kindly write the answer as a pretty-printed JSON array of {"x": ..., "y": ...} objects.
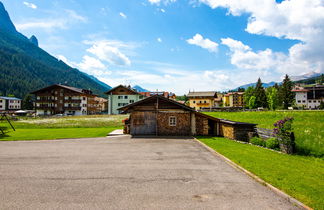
[
  {"x": 201, "y": 126},
  {"x": 182, "y": 127}
]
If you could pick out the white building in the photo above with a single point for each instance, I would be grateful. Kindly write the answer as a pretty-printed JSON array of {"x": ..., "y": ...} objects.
[
  {"x": 9, "y": 103},
  {"x": 309, "y": 97}
]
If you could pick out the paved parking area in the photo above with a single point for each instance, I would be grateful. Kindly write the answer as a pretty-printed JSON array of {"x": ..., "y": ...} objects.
[{"x": 124, "y": 173}]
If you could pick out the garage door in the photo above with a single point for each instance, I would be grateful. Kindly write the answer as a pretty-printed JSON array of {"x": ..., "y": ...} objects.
[{"x": 143, "y": 123}]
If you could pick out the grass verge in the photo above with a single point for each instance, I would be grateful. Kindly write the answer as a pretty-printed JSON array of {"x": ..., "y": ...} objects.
[
  {"x": 55, "y": 133},
  {"x": 299, "y": 176}
]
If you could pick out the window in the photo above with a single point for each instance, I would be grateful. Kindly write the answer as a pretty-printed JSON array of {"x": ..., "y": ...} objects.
[
  {"x": 194, "y": 102},
  {"x": 0, "y": 101},
  {"x": 314, "y": 101},
  {"x": 125, "y": 97},
  {"x": 299, "y": 101},
  {"x": 205, "y": 102},
  {"x": 172, "y": 121},
  {"x": 120, "y": 97},
  {"x": 304, "y": 101},
  {"x": 0, "y": 106},
  {"x": 131, "y": 101},
  {"x": 84, "y": 98}
]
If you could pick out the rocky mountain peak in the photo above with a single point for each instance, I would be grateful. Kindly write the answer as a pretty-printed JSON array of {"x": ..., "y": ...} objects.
[
  {"x": 5, "y": 21},
  {"x": 33, "y": 40}
]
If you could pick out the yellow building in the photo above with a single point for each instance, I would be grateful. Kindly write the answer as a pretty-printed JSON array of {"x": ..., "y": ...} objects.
[
  {"x": 206, "y": 99},
  {"x": 233, "y": 99}
]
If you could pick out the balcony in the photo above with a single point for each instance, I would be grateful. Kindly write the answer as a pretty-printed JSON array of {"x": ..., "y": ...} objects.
[
  {"x": 45, "y": 107},
  {"x": 203, "y": 104},
  {"x": 46, "y": 101},
  {"x": 73, "y": 108},
  {"x": 73, "y": 101}
]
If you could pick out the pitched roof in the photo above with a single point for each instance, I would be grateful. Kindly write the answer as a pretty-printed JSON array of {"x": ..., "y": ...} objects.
[
  {"x": 125, "y": 108},
  {"x": 202, "y": 94},
  {"x": 130, "y": 89},
  {"x": 9, "y": 98},
  {"x": 74, "y": 89}
]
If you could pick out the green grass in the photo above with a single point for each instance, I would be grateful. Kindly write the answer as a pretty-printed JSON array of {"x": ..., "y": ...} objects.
[
  {"x": 308, "y": 126},
  {"x": 62, "y": 127},
  {"x": 299, "y": 176}
]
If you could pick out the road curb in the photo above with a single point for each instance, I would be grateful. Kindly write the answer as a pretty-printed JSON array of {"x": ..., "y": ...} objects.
[{"x": 255, "y": 177}]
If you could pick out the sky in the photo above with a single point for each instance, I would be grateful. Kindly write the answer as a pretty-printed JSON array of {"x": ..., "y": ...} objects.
[{"x": 178, "y": 45}]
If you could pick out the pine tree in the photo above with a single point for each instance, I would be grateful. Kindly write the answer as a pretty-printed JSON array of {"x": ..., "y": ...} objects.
[
  {"x": 260, "y": 95},
  {"x": 286, "y": 96},
  {"x": 27, "y": 103},
  {"x": 247, "y": 95}
]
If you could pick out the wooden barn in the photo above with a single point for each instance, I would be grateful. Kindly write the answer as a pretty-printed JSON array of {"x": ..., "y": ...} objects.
[{"x": 161, "y": 116}]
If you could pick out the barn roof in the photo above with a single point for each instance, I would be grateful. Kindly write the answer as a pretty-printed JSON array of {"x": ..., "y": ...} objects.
[
  {"x": 74, "y": 89},
  {"x": 125, "y": 108}
]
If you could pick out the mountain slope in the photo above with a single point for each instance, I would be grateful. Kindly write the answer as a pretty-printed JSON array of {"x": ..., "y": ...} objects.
[
  {"x": 265, "y": 85},
  {"x": 140, "y": 89},
  {"x": 25, "y": 67}
]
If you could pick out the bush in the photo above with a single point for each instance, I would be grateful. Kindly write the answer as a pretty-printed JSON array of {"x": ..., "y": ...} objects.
[
  {"x": 257, "y": 141},
  {"x": 272, "y": 143}
]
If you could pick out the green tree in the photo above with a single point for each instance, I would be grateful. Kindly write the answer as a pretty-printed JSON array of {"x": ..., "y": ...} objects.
[
  {"x": 272, "y": 98},
  {"x": 286, "y": 96},
  {"x": 260, "y": 95},
  {"x": 247, "y": 95},
  {"x": 252, "y": 104},
  {"x": 27, "y": 103}
]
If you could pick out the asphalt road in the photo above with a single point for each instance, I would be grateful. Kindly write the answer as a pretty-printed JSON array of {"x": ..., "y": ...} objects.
[{"x": 124, "y": 173}]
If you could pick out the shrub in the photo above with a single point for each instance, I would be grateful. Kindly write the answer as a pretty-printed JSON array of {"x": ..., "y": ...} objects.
[
  {"x": 257, "y": 141},
  {"x": 283, "y": 129},
  {"x": 272, "y": 143}
]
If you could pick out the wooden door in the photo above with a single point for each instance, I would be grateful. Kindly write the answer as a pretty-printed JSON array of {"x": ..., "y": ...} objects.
[{"x": 143, "y": 123}]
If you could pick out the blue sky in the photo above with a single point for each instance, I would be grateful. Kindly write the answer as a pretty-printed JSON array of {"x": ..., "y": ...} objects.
[{"x": 178, "y": 45}]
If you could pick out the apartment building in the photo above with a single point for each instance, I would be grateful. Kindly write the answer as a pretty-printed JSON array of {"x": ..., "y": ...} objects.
[
  {"x": 309, "y": 97},
  {"x": 9, "y": 104},
  {"x": 121, "y": 96},
  {"x": 62, "y": 99},
  {"x": 203, "y": 100},
  {"x": 233, "y": 99}
]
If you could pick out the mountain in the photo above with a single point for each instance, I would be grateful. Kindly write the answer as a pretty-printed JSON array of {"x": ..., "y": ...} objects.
[
  {"x": 312, "y": 80},
  {"x": 24, "y": 67},
  {"x": 305, "y": 76},
  {"x": 140, "y": 89},
  {"x": 34, "y": 40},
  {"x": 265, "y": 85}
]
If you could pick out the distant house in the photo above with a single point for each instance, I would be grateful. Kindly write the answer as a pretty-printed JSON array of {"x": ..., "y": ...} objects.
[
  {"x": 9, "y": 103},
  {"x": 160, "y": 93},
  {"x": 233, "y": 99},
  {"x": 160, "y": 116},
  {"x": 203, "y": 100},
  {"x": 309, "y": 97},
  {"x": 62, "y": 99},
  {"x": 121, "y": 96},
  {"x": 97, "y": 105}
]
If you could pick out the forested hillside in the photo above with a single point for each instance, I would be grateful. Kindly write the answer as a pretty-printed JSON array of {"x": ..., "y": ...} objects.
[{"x": 25, "y": 67}]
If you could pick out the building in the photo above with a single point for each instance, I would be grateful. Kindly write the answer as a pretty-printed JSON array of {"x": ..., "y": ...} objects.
[
  {"x": 309, "y": 97},
  {"x": 97, "y": 105},
  {"x": 121, "y": 96},
  {"x": 203, "y": 100},
  {"x": 8, "y": 104},
  {"x": 233, "y": 99},
  {"x": 62, "y": 99},
  {"x": 161, "y": 116}
]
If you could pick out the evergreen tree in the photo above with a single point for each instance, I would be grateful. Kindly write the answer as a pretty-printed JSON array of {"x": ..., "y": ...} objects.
[
  {"x": 260, "y": 95},
  {"x": 247, "y": 95},
  {"x": 27, "y": 103},
  {"x": 286, "y": 96}
]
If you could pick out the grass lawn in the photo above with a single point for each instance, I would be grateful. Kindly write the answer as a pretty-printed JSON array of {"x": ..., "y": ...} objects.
[
  {"x": 299, "y": 176},
  {"x": 308, "y": 126},
  {"x": 62, "y": 127}
]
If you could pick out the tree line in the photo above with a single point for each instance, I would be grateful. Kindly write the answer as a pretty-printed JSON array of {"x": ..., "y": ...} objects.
[{"x": 278, "y": 96}]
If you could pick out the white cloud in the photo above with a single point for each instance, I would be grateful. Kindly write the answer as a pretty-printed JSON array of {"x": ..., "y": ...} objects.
[
  {"x": 161, "y": 1},
  {"x": 301, "y": 20},
  {"x": 243, "y": 57},
  {"x": 162, "y": 10},
  {"x": 204, "y": 43},
  {"x": 159, "y": 39},
  {"x": 63, "y": 21},
  {"x": 30, "y": 5},
  {"x": 122, "y": 15},
  {"x": 109, "y": 51}
]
